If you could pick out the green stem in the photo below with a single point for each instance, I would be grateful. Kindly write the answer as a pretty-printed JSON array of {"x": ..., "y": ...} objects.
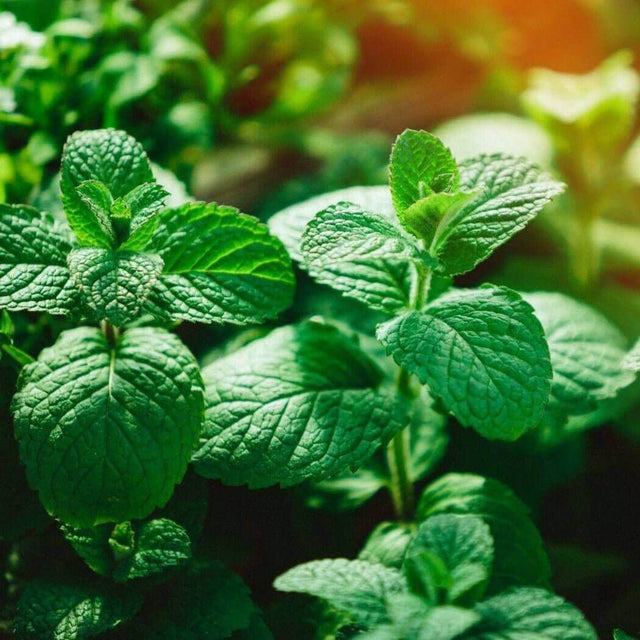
[
  {"x": 401, "y": 486},
  {"x": 111, "y": 333}
]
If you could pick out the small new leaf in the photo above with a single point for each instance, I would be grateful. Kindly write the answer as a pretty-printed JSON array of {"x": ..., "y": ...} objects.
[
  {"x": 219, "y": 266},
  {"x": 114, "y": 285},
  {"x": 302, "y": 403},
  {"x": 354, "y": 586},
  {"x": 420, "y": 166},
  {"x": 465, "y": 545},
  {"x": 483, "y": 352},
  {"x": 107, "y": 431},
  {"x": 362, "y": 255},
  {"x": 33, "y": 263},
  {"x": 111, "y": 157}
]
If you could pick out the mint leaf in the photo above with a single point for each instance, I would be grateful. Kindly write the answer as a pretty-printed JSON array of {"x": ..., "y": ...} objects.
[
  {"x": 50, "y": 610},
  {"x": 33, "y": 263},
  {"x": 302, "y": 403},
  {"x": 106, "y": 432},
  {"x": 519, "y": 557},
  {"x": 618, "y": 634},
  {"x": 512, "y": 192},
  {"x": 354, "y": 586},
  {"x": 114, "y": 285},
  {"x": 219, "y": 266},
  {"x": 159, "y": 545},
  {"x": 348, "y": 490},
  {"x": 361, "y": 255},
  {"x": 420, "y": 166},
  {"x": 204, "y": 601},
  {"x": 465, "y": 545},
  {"x": 144, "y": 202},
  {"x": 289, "y": 224},
  {"x": 98, "y": 199},
  {"x": 428, "y": 437},
  {"x": 128, "y": 551},
  {"x": 109, "y": 156},
  {"x": 586, "y": 354},
  {"x": 483, "y": 352},
  {"x": 387, "y": 544},
  {"x": 528, "y": 612}
]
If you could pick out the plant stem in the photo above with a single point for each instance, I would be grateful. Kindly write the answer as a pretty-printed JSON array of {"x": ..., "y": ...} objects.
[
  {"x": 111, "y": 333},
  {"x": 401, "y": 486}
]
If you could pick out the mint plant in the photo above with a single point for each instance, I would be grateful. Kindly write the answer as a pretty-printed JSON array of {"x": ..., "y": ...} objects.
[
  {"x": 107, "y": 418},
  {"x": 460, "y": 573}
]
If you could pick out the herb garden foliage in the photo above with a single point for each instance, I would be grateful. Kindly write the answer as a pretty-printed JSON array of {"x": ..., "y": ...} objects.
[
  {"x": 109, "y": 417},
  {"x": 107, "y": 420}
]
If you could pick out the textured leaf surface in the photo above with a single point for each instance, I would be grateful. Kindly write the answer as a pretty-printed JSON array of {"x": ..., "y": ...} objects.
[
  {"x": 519, "y": 557},
  {"x": 58, "y": 611},
  {"x": 300, "y": 404},
  {"x": 155, "y": 546},
  {"x": 354, "y": 586},
  {"x": 361, "y": 255},
  {"x": 420, "y": 166},
  {"x": 512, "y": 192},
  {"x": 529, "y": 613},
  {"x": 464, "y": 544},
  {"x": 483, "y": 352},
  {"x": 205, "y": 601},
  {"x": 106, "y": 433},
  {"x": 114, "y": 284},
  {"x": 33, "y": 263},
  {"x": 160, "y": 545},
  {"x": 290, "y": 223},
  {"x": 219, "y": 266},
  {"x": 586, "y": 353},
  {"x": 109, "y": 156}
]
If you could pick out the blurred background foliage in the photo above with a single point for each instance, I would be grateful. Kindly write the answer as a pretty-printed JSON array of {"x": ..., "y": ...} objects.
[{"x": 264, "y": 103}]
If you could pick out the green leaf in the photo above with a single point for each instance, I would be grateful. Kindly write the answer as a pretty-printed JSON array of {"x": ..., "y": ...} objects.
[
  {"x": 424, "y": 217},
  {"x": 428, "y": 437},
  {"x": 347, "y": 491},
  {"x": 98, "y": 199},
  {"x": 114, "y": 285},
  {"x": 511, "y": 193},
  {"x": 33, "y": 263},
  {"x": 420, "y": 165},
  {"x": 528, "y": 612},
  {"x": 519, "y": 557},
  {"x": 354, "y": 586},
  {"x": 618, "y": 634},
  {"x": 144, "y": 202},
  {"x": 128, "y": 551},
  {"x": 290, "y": 223},
  {"x": 50, "y": 610},
  {"x": 159, "y": 545},
  {"x": 387, "y": 544},
  {"x": 599, "y": 106},
  {"x": 465, "y": 545},
  {"x": 302, "y": 403},
  {"x": 219, "y": 266},
  {"x": 586, "y": 354},
  {"x": 483, "y": 352},
  {"x": 106, "y": 432},
  {"x": 111, "y": 157},
  {"x": 361, "y": 255},
  {"x": 205, "y": 601}
]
